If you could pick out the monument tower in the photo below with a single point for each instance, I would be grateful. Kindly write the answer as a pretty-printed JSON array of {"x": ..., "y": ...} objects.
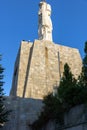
[
  {"x": 39, "y": 65},
  {"x": 38, "y": 69}
]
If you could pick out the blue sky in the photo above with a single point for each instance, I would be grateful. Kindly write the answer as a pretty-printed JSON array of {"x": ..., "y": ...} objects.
[{"x": 19, "y": 21}]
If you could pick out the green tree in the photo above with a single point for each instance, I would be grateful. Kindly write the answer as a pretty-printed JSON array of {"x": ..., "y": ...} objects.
[
  {"x": 52, "y": 110},
  {"x": 3, "y": 111},
  {"x": 72, "y": 92},
  {"x": 67, "y": 88},
  {"x": 83, "y": 76}
]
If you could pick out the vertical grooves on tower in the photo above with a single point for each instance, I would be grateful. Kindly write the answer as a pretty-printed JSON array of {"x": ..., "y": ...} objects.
[
  {"x": 46, "y": 64},
  {"x": 59, "y": 65},
  {"x": 27, "y": 70}
]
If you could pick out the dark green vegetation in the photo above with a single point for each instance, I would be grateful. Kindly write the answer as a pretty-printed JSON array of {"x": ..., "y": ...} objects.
[
  {"x": 83, "y": 76},
  {"x": 3, "y": 111},
  {"x": 70, "y": 92}
]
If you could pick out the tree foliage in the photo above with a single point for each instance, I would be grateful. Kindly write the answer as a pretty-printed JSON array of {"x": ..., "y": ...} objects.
[
  {"x": 70, "y": 91},
  {"x": 3, "y": 111},
  {"x": 83, "y": 76},
  {"x": 67, "y": 87},
  {"x": 52, "y": 110}
]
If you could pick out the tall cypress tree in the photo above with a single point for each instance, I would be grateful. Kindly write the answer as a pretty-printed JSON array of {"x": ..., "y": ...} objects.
[
  {"x": 3, "y": 111},
  {"x": 84, "y": 68},
  {"x": 82, "y": 79},
  {"x": 66, "y": 90}
]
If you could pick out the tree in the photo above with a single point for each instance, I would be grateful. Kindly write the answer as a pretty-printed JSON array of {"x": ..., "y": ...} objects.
[
  {"x": 83, "y": 76},
  {"x": 72, "y": 92},
  {"x": 52, "y": 110},
  {"x": 67, "y": 87},
  {"x": 3, "y": 111}
]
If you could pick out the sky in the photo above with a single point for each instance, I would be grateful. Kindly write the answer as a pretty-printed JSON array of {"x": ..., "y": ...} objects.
[{"x": 19, "y": 21}]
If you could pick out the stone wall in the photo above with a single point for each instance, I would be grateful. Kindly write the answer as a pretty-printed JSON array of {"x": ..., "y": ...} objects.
[
  {"x": 39, "y": 67},
  {"x": 75, "y": 119},
  {"x": 20, "y": 69},
  {"x": 25, "y": 111}
]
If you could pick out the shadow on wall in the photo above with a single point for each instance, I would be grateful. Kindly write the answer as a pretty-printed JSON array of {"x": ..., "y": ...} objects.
[{"x": 24, "y": 112}]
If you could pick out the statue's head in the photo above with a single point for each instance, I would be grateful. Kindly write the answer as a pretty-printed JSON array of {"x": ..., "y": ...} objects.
[{"x": 46, "y": 7}]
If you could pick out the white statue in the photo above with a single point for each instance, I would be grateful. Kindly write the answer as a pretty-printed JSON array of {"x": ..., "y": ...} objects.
[{"x": 45, "y": 23}]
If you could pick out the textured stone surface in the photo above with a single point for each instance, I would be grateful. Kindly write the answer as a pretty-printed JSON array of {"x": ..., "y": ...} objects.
[
  {"x": 24, "y": 112},
  {"x": 39, "y": 66},
  {"x": 75, "y": 119}
]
